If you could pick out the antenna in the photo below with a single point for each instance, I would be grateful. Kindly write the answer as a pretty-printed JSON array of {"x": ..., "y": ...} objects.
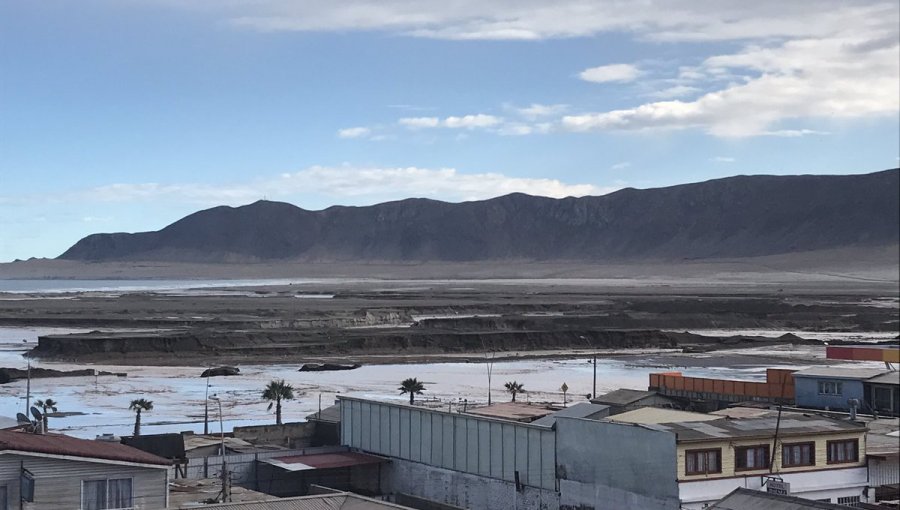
[
  {"x": 22, "y": 419},
  {"x": 36, "y": 413}
]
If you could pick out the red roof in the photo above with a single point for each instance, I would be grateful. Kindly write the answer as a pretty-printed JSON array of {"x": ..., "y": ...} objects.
[
  {"x": 330, "y": 460},
  {"x": 57, "y": 444}
]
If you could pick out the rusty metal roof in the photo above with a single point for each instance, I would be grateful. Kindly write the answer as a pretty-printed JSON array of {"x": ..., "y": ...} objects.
[{"x": 58, "y": 444}]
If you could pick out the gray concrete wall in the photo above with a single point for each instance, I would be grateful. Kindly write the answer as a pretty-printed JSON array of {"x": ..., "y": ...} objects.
[
  {"x": 610, "y": 466},
  {"x": 463, "y": 490},
  {"x": 292, "y": 435},
  {"x": 807, "y": 393}
]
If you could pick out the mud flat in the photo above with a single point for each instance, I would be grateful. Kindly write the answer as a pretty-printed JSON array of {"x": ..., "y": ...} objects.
[{"x": 390, "y": 321}]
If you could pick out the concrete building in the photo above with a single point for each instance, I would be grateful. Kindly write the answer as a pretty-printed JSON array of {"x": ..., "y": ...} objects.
[
  {"x": 52, "y": 471},
  {"x": 653, "y": 459},
  {"x": 832, "y": 388},
  {"x": 458, "y": 459}
]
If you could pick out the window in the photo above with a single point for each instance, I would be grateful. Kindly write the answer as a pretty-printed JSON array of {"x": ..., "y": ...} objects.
[
  {"x": 106, "y": 494},
  {"x": 831, "y": 388},
  {"x": 843, "y": 451},
  {"x": 751, "y": 457},
  {"x": 848, "y": 500},
  {"x": 699, "y": 462},
  {"x": 798, "y": 454}
]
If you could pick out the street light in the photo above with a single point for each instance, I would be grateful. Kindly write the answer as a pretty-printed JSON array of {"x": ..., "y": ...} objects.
[
  {"x": 225, "y": 494},
  {"x": 221, "y": 426}
]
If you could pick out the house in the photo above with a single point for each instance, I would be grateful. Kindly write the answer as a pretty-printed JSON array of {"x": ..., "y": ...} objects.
[
  {"x": 833, "y": 388},
  {"x": 819, "y": 458},
  {"x": 51, "y": 471},
  {"x": 748, "y": 499},
  {"x": 622, "y": 400},
  {"x": 882, "y": 393}
]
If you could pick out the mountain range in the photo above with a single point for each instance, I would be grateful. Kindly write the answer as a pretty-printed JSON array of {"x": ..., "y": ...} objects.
[{"x": 740, "y": 216}]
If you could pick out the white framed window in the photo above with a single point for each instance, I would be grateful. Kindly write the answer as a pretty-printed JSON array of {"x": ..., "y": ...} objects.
[
  {"x": 107, "y": 494},
  {"x": 831, "y": 388}
]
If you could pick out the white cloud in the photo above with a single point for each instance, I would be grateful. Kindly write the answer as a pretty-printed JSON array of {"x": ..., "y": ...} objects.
[
  {"x": 674, "y": 91},
  {"x": 420, "y": 122},
  {"x": 479, "y": 120},
  {"x": 722, "y": 159},
  {"x": 537, "y": 110},
  {"x": 610, "y": 73},
  {"x": 621, "y": 165},
  {"x": 355, "y": 132},
  {"x": 794, "y": 133},
  {"x": 474, "y": 121},
  {"x": 660, "y": 20},
  {"x": 353, "y": 183},
  {"x": 797, "y": 79}
]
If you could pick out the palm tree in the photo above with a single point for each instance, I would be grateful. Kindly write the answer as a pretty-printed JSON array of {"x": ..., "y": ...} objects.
[
  {"x": 44, "y": 405},
  {"x": 413, "y": 387},
  {"x": 513, "y": 387},
  {"x": 137, "y": 406},
  {"x": 276, "y": 391}
]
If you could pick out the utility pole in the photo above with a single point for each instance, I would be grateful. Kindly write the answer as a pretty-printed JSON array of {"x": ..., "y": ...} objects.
[
  {"x": 28, "y": 391},
  {"x": 206, "y": 406},
  {"x": 594, "y": 394}
]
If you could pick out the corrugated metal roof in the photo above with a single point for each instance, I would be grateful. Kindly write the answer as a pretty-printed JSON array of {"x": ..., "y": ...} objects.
[
  {"x": 324, "y": 461},
  {"x": 892, "y": 377},
  {"x": 792, "y": 424},
  {"x": 646, "y": 415},
  {"x": 747, "y": 499},
  {"x": 58, "y": 444},
  {"x": 579, "y": 410},
  {"x": 623, "y": 396},
  {"x": 840, "y": 373}
]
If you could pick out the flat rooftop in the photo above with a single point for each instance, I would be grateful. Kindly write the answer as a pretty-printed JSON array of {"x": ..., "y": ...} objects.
[
  {"x": 651, "y": 415},
  {"x": 841, "y": 373},
  {"x": 514, "y": 411},
  {"x": 622, "y": 396},
  {"x": 792, "y": 424}
]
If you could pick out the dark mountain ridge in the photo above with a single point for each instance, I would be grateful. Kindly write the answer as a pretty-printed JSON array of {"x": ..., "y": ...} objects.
[{"x": 732, "y": 217}]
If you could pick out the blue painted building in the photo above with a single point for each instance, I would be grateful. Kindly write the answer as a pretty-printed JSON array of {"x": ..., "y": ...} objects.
[{"x": 832, "y": 388}]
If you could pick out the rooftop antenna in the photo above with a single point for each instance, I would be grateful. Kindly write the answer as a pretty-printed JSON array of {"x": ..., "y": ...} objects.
[{"x": 39, "y": 420}]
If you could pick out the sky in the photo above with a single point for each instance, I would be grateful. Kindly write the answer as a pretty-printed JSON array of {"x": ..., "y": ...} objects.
[{"x": 126, "y": 115}]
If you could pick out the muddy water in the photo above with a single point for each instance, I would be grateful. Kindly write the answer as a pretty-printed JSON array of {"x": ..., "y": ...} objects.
[{"x": 178, "y": 393}]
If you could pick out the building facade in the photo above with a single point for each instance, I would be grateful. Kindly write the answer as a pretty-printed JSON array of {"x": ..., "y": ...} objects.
[{"x": 50, "y": 472}]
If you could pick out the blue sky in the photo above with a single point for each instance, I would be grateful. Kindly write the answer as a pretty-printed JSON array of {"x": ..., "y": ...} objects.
[{"x": 127, "y": 115}]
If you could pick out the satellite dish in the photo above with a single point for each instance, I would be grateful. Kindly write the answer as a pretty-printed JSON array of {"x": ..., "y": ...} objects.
[
  {"x": 37, "y": 414},
  {"x": 22, "y": 419}
]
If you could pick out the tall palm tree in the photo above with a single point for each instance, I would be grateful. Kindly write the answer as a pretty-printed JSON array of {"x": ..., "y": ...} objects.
[
  {"x": 413, "y": 387},
  {"x": 276, "y": 391},
  {"x": 513, "y": 388},
  {"x": 44, "y": 405},
  {"x": 138, "y": 405}
]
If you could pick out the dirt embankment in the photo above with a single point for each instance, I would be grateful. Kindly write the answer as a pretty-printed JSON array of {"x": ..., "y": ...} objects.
[{"x": 403, "y": 319}]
